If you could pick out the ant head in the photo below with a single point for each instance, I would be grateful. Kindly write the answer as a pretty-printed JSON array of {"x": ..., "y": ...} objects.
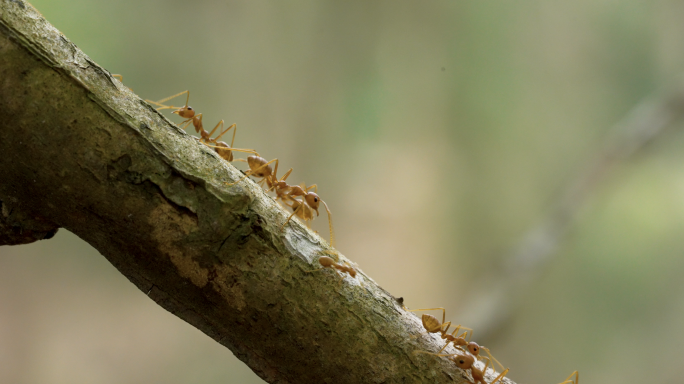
[
  {"x": 185, "y": 112},
  {"x": 313, "y": 200},
  {"x": 463, "y": 361},
  {"x": 474, "y": 348}
]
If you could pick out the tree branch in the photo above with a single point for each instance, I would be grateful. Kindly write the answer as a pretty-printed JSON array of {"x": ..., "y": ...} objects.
[{"x": 83, "y": 152}]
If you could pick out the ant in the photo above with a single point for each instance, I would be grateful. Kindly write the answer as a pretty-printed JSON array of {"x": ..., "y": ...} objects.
[
  {"x": 259, "y": 167},
  {"x": 223, "y": 149},
  {"x": 433, "y": 325},
  {"x": 474, "y": 350},
  {"x": 279, "y": 186},
  {"x": 185, "y": 112},
  {"x": 304, "y": 209},
  {"x": 328, "y": 262},
  {"x": 468, "y": 362}
]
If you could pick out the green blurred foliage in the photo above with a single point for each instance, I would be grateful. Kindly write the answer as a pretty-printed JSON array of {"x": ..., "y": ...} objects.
[{"x": 437, "y": 132}]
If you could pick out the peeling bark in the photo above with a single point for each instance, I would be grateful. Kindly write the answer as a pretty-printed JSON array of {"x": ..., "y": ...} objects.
[{"x": 83, "y": 152}]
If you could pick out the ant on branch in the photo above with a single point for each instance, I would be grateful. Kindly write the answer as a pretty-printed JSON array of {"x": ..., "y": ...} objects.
[
  {"x": 433, "y": 325},
  {"x": 304, "y": 209},
  {"x": 279, "y": 186},
  {"x": 259, "y": 167},
  {"x": 222, "y": 148},
  {"x": 185, "y": 112},
  {"x": 466, "y": 362},
  {"x": 328, "y": 262}
]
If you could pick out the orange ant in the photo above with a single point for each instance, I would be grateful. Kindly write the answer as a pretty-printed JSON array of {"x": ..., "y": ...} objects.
[
  {"x": 474, "y": 350},
  {"x": 304, "y": 209},
  {"x": 280, "y": 187},
  {"x": 468, "y": 362},
  {"x": 223, "y": 149},
  {"x": 185, "y": 112},
  {"x": 259, "y": 167},
  {"x": 328, "y": 262},
  {"x": 433, "y": 325}
]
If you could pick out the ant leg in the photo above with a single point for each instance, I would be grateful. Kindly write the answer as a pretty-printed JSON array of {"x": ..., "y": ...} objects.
[
  {"x": 174, "y": 96},
  {"x": 245, "y": 150},
  {"x": 330, "y": 225},
  {"x": 293, "y": 213},
  {"x": 286, "y": 175},
  {"x": 430, "y": 309},
  {"x": 210, "y": 134},
  {"x": 314, "y": 186},
  {"x": 492, "y": 357},
  {"x": 162, "y": 106},
  {"x": 224, "y": 132},
  {"x": 457, "y": 336},
  {"x": 501, "y": 376},
  {"x": 575, "y": 381},
  {"x": 460, "y": 327},
  {"x": 118, "y": 77}
]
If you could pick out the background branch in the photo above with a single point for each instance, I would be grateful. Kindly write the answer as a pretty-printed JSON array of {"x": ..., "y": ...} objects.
[{"x": 646, "y": 122}]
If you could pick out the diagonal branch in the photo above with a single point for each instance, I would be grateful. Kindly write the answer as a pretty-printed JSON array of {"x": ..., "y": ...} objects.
[{"x": 81, "y": 151}]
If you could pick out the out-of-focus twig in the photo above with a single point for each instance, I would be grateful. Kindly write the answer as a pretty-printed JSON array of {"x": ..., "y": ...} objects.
[{"x": 645, "y": 123}]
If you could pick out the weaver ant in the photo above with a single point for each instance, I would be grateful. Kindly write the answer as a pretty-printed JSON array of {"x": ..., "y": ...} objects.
[
  {"x": 185, "y": 112},
  {"x": 258, "y": 167},
  {"x": 433, "y": 325},
  {"x": 223, "y": 149},
  {"x": 279, "y": 186},
  {"x": 328, "y": 262},
  {"x": 468, "y": 362},
  {"x": 304, "y": 209}
]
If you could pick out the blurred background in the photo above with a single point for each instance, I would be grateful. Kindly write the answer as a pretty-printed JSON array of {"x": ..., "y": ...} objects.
[{"x": 440, "y": 134}]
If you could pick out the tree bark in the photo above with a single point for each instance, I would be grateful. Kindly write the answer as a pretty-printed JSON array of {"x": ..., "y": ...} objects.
[{"x": 81, "y": 151}]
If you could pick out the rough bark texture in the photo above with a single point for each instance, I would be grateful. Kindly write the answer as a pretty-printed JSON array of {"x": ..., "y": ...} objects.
[{"x": 83, "y": 152}]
